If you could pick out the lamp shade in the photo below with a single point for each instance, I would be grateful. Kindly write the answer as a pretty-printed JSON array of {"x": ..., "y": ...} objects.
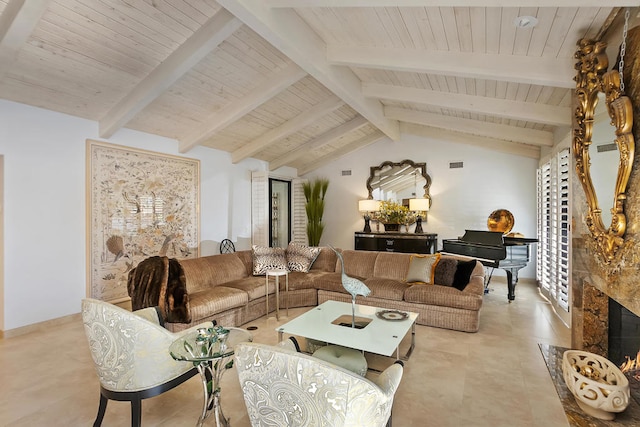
[
  {"x": 418, "y": 205},
  {"x": 368, "y": 205}
]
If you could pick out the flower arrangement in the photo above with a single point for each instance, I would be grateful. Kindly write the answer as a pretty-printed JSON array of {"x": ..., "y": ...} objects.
[{"x": 393, "y": 213}]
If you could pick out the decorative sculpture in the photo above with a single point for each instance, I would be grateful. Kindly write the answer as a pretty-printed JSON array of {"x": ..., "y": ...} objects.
[{"x": 353, "y": 286}]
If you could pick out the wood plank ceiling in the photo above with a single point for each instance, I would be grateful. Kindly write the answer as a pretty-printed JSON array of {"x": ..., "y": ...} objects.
[{"x": 300, "y": 83}]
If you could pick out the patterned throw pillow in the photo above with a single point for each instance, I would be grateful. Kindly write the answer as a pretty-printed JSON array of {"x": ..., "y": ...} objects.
[
  {"x": 421, "y": 269},
  {"x": 301, "y": 257},
  {"x": 268, "y": 259}
]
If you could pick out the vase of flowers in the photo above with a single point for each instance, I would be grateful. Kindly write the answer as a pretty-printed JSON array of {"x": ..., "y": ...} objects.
[{"x": 392, "y": 215}]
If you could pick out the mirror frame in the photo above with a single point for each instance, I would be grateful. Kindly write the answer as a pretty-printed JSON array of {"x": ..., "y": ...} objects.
[
  {"x": 592, "y": 78},
  {"x": 421, "y": 166}
]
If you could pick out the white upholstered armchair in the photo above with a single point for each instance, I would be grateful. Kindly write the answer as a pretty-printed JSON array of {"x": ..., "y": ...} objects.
[
  {"x": 131, "y": 355},
  {"x": 284, "y": 388}
]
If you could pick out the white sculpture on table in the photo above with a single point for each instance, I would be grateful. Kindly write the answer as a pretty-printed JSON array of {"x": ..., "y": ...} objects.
[{"x": 353, "y": 286}]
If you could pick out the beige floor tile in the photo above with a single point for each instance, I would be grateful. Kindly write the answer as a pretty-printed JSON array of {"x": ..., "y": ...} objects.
[{"x": 492, "y": 378}]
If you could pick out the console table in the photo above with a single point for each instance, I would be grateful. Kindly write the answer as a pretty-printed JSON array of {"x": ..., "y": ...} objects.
[{"x": 419, "y": 243}]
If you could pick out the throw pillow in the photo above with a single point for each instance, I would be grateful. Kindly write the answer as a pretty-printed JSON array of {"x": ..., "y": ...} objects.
[
  {"x": 268, "y": 259},
  {"x": 445, "y": 271},
  {"x": 421, "y": 268},
  {"x": 301, "y": 257},
  {"x": 463, "y": 274}
]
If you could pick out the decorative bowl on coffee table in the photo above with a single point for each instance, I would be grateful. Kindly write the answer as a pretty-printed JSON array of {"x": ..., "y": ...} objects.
[{"x": 600, "y": 388}]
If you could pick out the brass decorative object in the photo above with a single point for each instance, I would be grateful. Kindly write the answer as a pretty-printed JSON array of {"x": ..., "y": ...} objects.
[
  {"x": 593, "y": 78},
  {"x": 500, "y": 220}
]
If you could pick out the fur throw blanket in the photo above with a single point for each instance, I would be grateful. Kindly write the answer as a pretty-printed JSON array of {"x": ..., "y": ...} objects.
[{"x": 160, "y": 282}]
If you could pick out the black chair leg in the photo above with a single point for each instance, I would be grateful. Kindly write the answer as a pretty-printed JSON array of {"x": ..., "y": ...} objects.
[
  {"x": 101, "y": 410},
  {"x": 136, "y": 413}
]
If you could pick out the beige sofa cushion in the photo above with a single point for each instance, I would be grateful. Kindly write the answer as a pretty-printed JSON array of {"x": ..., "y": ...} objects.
[
  {"x": 207, "y": 303},
  {"x": 389, "y": 289},
  {"x": 298, "y": 280},
  {"x": 253, "y": 286},
  {"x": 331, "y": 282},
  {"x": 204, "y": 272},
  {"x": 359, "y": 263},
  {"x": 247, "y": 259},
  {"x": 325, "y": 261},
  {"x": 391, "y": 265},
  {"x": 444, "y": 296}
]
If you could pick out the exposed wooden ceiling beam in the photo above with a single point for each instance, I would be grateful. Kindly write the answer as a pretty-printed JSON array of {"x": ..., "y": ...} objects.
[
  {"x": 342, "y": 151},
  {"x": 442, "y": 3},
  {"x": 320, "y": 141},
  {"x": 218, "y": 28},
  {"x": 273, "y": 85},
  {"x": 17, "y": 22},
  {"x": 446, "y": 136},
  {"x": 288, "y": 128},
  {"x": 291, "y": 35},
  {"x": 546, "y": 71},
  {"x": 474, "y": 127},
  {"x": 516, "y": 110}
]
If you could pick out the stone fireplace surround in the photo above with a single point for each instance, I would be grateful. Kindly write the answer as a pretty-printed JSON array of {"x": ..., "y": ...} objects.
[{"x": 594, "y": 283}]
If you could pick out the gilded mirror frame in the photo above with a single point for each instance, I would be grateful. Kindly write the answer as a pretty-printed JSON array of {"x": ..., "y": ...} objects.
[
  {"x": 421, "y": 166},
  {"x": 593, "y": 78}
]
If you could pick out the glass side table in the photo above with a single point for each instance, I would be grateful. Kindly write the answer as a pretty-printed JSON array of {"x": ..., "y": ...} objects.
[
  {"x": 209, "y": 350},
  {"x": 277, "y": 274}
]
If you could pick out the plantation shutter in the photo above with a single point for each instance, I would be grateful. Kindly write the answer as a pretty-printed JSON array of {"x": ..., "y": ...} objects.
[
  {"x": 544, "y": 225},
  {"x": 260, "y": 208},
  {"x": 299, "y": 223},
  {"x": 553, "y": 272},
  {"x": 563, "y": 231}
]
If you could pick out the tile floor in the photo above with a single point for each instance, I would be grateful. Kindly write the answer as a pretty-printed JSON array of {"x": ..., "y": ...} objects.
[{"x": 492, "y": 378}]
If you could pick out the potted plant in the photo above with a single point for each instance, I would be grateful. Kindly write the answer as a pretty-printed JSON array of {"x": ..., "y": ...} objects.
[
  {"x": 392, "y": 215},
  {"x": 314, "y": 192}
]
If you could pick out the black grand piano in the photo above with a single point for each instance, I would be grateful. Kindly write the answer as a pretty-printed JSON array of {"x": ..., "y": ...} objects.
[{"x": 493, "y": 249}]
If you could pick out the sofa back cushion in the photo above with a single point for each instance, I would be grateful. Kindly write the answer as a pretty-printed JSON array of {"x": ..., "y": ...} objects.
[
  {"x": 392, "y": 265},
  {"x": 247, "y": 259},
  {"x": 359, "y": 263},
  {"x": 326, "y": 260},
  {"x": 204, "y": 272}
]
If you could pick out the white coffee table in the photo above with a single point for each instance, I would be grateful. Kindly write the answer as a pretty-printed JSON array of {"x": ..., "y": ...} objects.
[{"x": 379, "y": 336}]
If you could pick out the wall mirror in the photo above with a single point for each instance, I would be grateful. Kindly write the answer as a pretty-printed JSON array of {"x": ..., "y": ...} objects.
[
  {"x": 603, "y": 147},
  {"x": 398, "y": 181}
]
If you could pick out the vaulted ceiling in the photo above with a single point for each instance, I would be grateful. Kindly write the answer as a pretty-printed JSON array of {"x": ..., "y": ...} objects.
[{"x": 300, "y": 83}]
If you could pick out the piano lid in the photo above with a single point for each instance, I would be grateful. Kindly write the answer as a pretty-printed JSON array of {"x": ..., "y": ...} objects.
[{"x": 490, "y": 238}]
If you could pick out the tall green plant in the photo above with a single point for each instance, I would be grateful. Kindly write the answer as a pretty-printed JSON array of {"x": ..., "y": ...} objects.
[{"x": 314, "y": 192}]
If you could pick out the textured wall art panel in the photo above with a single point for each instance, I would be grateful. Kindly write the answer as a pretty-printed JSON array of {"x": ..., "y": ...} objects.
[{"x": 140, "y": 204}]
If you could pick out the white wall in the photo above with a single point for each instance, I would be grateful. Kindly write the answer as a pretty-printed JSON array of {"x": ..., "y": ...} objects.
[
  {"x": 461, "y": 198},
  {"x": 44, "y": 198}
]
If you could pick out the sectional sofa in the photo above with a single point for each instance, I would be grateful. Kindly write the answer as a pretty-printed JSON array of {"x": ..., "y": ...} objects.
[{"x": 223, "y": 287}]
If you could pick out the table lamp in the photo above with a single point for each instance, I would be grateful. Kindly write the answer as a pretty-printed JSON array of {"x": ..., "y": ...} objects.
[
  {"x": 419, "y": 206},
  {"x": 367, "y": 206}
]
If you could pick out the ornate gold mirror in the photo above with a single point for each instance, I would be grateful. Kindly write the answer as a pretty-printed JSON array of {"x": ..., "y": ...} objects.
[
  {"x": 398, "y": 181},
  {"x": 604, "y": 119}
]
